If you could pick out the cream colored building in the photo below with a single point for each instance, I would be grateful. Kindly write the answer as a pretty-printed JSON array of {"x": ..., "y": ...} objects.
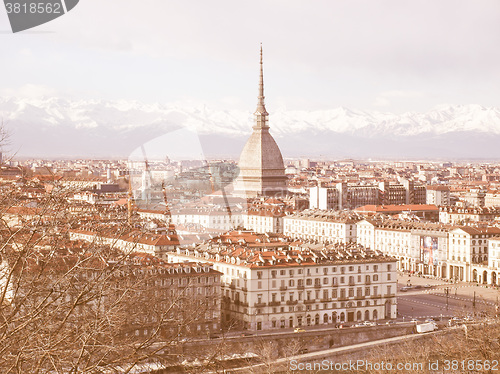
[
  {"x": 468, "y": 250},
  {"x": 282, "y": 284},
  {"x": 322, "y": 226},
  {"x": 421, "y": 247}
]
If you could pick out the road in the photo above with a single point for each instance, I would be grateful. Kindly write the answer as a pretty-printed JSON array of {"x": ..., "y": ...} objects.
[{"x": 433, "y": 302}]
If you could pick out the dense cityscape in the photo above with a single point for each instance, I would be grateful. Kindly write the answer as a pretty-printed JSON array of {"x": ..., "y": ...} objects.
[
  {"x": 207, "y": 265},
  {"x": 260, "y": 187}
]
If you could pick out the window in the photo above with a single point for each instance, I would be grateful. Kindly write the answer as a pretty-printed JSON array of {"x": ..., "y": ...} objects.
[
  {"x": 273, "y": 273},
  {"x": 375, "y": 277},
  {"x": 259, "y": 285},
  {"x": 259, "y": 275}
]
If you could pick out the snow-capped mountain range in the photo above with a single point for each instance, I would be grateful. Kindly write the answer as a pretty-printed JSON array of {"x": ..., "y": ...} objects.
[{"x": 97, "y": 128}]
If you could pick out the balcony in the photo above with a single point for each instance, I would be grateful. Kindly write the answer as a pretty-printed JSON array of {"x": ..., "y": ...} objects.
[
  {"x": 283, "y": 288},
  {"x": 259, "y": 305},
  {"x": 274, "y": 303},
  {"x": 232, "y": 286},
  {"x": 351, "y": 283},
  {"x": 359, "y": 297},
  {"x": 292, "y": 302},
  {"x": 300, "y": 286},
  {"x": 376, "y": 296},
  {"x": 310, "y": 301},
  {"x": 244, "y": 289},
  {"x": 368, "y": 282},
  {"x": 326, "y": 300},
  {"x": 389, "y": 295},
  {"x": 317, "y": 285},
  {"x": 343, "y": 298},
  {"x": 335, "y": 285}
]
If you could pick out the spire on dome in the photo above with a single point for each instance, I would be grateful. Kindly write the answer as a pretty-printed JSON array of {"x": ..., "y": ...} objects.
[{"x": 261, "y": 113}]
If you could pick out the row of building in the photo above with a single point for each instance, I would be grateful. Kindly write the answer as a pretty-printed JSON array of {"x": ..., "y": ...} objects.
[{"x": 464, "y": 253}]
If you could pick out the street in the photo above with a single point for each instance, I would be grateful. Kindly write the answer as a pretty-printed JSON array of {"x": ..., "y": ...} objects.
[{"x": 443, "y": 299}]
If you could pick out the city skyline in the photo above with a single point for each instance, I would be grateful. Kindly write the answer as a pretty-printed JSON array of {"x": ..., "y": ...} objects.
[{"x": 385, "y": 62}]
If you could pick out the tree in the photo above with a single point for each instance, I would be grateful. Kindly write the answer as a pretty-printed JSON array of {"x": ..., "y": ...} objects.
[{"x": 81, "y": 307}]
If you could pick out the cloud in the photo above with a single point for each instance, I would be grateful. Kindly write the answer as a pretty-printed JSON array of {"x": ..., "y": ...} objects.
[
  {"x": 387, "y": 98},
  {"x": 29, "y": 91}
]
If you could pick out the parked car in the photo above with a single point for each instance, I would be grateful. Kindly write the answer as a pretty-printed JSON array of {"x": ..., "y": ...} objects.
[{"x": 298, "y": 329}]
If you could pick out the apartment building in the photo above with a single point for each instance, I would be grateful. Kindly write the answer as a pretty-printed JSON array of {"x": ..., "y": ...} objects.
[
  {"x": 262, "y": 220},
  {"x": 218, "y": 219},
  {"x": 133, "y": 240},
  {"x": 351, "y": 196},
  {"x": 273, "y": 282},
  {"x": 464, "y": 215},
  {"x": 323, "y": 226},
  {"x": 438, "y": 195},
  {"x": 493, "y": 261},
  {"x": 420, "y": 247},
  {"x": 468, "y": 251},
  {"x": 137, "y": 296}
]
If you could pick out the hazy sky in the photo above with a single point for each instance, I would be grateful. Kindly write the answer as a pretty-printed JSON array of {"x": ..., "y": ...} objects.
[{"x": 391, "y": 56}]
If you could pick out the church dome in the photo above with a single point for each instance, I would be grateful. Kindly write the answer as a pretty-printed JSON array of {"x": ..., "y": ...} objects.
[
  {"x": 262, "y": 171},
  {"x": 261, "y": 152}
]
